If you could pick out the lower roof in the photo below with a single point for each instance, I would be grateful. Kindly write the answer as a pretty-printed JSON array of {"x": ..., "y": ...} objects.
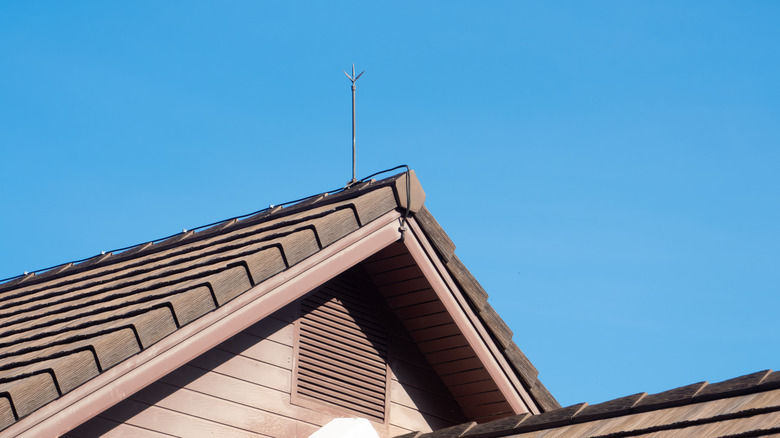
[{"x": 746, "y": 406}]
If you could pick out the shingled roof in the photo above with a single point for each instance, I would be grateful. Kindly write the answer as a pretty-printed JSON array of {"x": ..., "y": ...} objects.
[
  {"x": 80, "y": 334},
  {"x": 746, "y": 406}
]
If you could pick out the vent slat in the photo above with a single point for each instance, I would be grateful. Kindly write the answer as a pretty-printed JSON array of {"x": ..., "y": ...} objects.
[
  {"x": 342, "y": 347},
  {"x": 324, "y": 328},
  {"x": 359, "y": 320},
  {"x": 370, "y": 382},
  {"x": 336, "y": 399},
  {"x": 370, "y": 369},
  {"x": 352, "y": 351},
  {"x": 340, "y": 303},
  {"x": 358, "y": 325},
  {"x": 349, "y": 387}
]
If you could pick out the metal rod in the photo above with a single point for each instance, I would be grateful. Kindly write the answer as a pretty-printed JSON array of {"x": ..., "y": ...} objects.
[
  {"x": 353, "y": 125},
  {"x": 353, "y": 79}
]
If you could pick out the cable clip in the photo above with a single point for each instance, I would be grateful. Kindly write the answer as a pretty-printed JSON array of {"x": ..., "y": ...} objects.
[{"x": 402, "y": 229}]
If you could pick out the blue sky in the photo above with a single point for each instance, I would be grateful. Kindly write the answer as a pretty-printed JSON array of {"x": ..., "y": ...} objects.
[{"x": 607, "y": 170}]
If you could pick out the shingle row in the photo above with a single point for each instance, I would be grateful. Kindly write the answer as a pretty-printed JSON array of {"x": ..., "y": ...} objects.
[
  {"x": 637, "y": 403},
  {"x": 65, "y": 326}
]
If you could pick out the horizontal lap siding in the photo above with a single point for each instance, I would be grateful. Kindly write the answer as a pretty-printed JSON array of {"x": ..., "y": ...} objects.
[
  {"x": 106, "y": 428},
  {"x": 240, "y": 388},
  {"x": 418, "y": 398}
]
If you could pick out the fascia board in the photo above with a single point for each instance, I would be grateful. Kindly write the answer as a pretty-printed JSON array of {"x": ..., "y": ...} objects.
[{"x": 467, "y": 321}]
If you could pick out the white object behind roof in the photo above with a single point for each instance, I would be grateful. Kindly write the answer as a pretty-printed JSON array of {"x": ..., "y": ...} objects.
[{"x": 346, "y": 428}]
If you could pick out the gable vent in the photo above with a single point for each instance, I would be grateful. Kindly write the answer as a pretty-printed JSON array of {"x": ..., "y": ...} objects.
[{"x": 342, "y": 350}]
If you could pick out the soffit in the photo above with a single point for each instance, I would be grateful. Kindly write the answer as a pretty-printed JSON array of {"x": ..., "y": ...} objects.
[
  {"x": 477, "y": 299},
  {"x": 413, "y": 300}
]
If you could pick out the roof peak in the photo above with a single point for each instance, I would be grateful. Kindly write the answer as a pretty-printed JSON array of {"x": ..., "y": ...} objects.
[{"x": 255, "y": 217}]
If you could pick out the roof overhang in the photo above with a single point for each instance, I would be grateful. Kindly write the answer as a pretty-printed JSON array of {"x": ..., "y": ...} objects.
[
  {"x": 469, "y": 324},
  {"x": 187, "y": 343}
]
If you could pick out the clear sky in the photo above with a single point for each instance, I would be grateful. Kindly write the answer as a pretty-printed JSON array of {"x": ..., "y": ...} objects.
[{"x": 607, "y": 170}]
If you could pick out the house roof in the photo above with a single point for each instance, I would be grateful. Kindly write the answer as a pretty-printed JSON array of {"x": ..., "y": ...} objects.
[
  {"x": 78, "y": 337},
  {"x": 745, "y": 406}
]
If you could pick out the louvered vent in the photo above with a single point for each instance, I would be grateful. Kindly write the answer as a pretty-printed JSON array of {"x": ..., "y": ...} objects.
[{"x": 342, "y": 350}]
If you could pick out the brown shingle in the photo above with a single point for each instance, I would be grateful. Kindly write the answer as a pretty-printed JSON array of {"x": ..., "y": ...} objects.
[
  {"x": 438, "y": 237},
  {"x": 7, "y": 416},
  {"x": 68, "y": 371},
  {"x": 772, "y": 380},
  {"x": 672, "y": 397},
  {"x": 30, "y": 392},
  {"x": 735, "y": 386},
  {"x": 450, "y": 432},
  {"x": 497, "y": 326},
  {"x": 470, "y": 286},
  {"x": 543, "y": 397},
  {"x": 54, "y": 271},
  {"x": 524, "y": 367},
  {"x": 611, "y": 408},
  {"x": 496, "y": 428},
  {"x": 550, "y": 419},
  {"x": 110, "y": 345},
  {"x": 17, "y": 281},
  {"x": 747, "y": 405}
]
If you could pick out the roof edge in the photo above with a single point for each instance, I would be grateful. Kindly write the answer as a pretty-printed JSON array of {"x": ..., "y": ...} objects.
[
  {"x": 406, "y": 194},
  {"x": 639, "y": 403},
  {"x": 478, "y": 300},
  {"x": 110, "y": 387},
  {"x": 409, "y": 192},
  {"x": 469, "y": 323}
]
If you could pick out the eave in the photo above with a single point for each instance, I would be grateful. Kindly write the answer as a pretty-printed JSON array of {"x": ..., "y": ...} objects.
[{"x": 190, "y": 341}]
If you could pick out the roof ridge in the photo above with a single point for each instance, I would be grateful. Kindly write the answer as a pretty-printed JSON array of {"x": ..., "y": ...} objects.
[
  {"x": 143, "y": 265},
  {"x": 203, "y": 231}
]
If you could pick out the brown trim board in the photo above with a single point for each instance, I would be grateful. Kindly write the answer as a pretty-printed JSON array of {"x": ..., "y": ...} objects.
[
  {"x": 133, "y": 374},
  {"x": 468, "y": 323}
]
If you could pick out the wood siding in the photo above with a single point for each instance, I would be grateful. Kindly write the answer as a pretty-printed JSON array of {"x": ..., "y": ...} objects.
[{"x": 245, "y": 386}]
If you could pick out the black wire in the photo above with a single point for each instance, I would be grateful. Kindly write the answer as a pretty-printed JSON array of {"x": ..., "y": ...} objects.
[
  {"x": 331, "y": 192},
  {"x": 405, "y": 219},
  {"x": 385, "y": 171}
]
